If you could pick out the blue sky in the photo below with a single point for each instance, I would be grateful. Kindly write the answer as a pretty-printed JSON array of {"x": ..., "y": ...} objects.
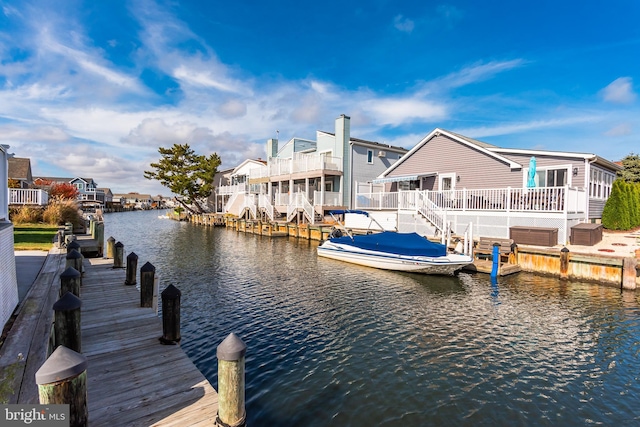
[{"x": 93, "y": 88}]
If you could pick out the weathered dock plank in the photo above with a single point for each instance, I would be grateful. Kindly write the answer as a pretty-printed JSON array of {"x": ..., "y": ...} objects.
[{"x": 132, "y": 379}]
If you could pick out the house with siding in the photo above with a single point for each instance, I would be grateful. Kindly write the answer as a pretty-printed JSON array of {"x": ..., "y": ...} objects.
[
  {"x": 8, "y": 278},
  {"x": 304, "y": 178},
  {"x": 450, "y": 180},
  {"x": 20, "y": 171}
]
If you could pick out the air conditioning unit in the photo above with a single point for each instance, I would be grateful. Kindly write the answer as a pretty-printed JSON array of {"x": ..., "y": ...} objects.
[{"x": 382, "y": 154}]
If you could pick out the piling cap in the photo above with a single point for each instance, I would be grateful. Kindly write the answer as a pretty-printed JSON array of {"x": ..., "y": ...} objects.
[
  {"x": 73, "y": 254},
  {"x": 70, "y": 273},
  {"x": 111, "y": 239},
  {"x": 63, "y": 364},
  {"x": 564, "y": 249},
  {"x": 132, "y": 255},
  {"x": 171, "y": 292},
  {"x": 68, "y": 302},
  {"x": 119, "y": 245},
  {"x": 231, "y": 348},
  {"x": 73, "y": 245},
  {"x": 147, "y": 267}
]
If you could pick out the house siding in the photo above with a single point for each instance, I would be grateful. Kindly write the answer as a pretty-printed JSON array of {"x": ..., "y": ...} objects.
[
  {"x": 362, "y": 171},
  {"x": 8, "y": 278},
  {"x": 543, "y": 162},
  {"x": 476, "y": 169}
]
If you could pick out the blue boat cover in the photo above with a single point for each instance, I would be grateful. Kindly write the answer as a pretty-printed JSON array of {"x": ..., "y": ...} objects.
[{"x": 411, "y": 244}]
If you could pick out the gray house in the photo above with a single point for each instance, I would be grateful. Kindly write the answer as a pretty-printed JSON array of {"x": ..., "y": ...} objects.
[
  {"x": 8, "y": 278},
  {"x": 304, "y": 178},
  {"x": 450, "y": 178}
]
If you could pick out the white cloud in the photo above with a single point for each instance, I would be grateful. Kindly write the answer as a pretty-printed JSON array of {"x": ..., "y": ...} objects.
[
  {"x": 619, "y": 91},
  {"x": 622, "y": 129},
  {"x": 232, "y": 108},
  {"x": 403, "y": 24},
  {"x": 396, "y": 111},
  {"x": 506, "y": 129},
  {"x": 475, "y": 73}
]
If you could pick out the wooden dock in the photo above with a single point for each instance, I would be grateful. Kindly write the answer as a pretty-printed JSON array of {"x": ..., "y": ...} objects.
[{"x": 132, "y": 379}]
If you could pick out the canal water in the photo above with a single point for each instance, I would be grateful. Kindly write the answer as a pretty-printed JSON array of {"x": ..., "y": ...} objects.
[{"x": 333, "y": 344}]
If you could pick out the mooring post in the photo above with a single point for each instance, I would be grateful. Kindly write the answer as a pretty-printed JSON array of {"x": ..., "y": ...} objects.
[
  {"x": 132, "y": 267},
  {"x": 629, "y": 272},
  {"x": 99, "y": 236},
  {"x": 118, "y": 258},
  {"x": 496, "y": 260},
  {"x": 70, "y": 282},
  {"x": 67, "y": 330},
  {"x": 231, "y": 383},
  {"x": 73, "y": 245},
  {"x": 111, "y": 247},
  {"x": 170, "y": 315},
  {"x": 74, "y": 259},
  {"x": 564, "y": 263},
  {"x": 147, "y": 279},
  {"x": 62, "y": 379}
]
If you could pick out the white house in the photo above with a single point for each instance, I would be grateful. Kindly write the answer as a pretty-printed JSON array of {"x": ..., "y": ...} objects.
[{"x": 8, "y": 278}]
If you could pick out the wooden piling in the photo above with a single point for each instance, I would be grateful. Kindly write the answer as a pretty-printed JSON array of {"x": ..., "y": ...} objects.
[
  {"x": 70, "y": 282},
  {"x": 231, "y": 382},
  {"x": 62, "y": 379},
  {"x": 147, "y": 279},
  {"x": 99, "y": 237},
  {"x": 118, "y": 258},
  {"x": 111, "y": 243},
  {"x": 74, "y": 259},
  {"x": 629, "y": 273},
  {"x": 564, "y": 263},
  {"x": 170, "y": 315},
  {"x": 73, "y": 245},
  {"x": 132, "y": 267},
  {"x": 67, "y": 331}
]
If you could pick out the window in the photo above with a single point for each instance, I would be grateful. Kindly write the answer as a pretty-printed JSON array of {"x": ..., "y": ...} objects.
[
  {"x": 600, "y": 182},
  {"x": 370, "y": 156},
  {"x": 409, "y": 185},
  {"x": 79, "y": 185}
]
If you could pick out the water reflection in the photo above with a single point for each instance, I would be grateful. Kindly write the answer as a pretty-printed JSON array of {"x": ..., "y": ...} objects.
[{"x": 331, "y": 343}]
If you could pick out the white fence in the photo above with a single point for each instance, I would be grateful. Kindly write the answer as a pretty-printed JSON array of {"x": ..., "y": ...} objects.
[
  {"x": 544, "y": 199},
  {"x": 28, "y": 196}
]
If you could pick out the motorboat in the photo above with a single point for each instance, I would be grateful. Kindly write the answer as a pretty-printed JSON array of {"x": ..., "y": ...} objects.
[{"x": 390, "y": 250}]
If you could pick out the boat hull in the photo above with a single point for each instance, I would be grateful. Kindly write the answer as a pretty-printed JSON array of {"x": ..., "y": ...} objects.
[{"x": 445, "y": 265}]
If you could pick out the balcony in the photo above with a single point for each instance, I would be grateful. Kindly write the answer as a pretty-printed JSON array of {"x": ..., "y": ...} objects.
[
  {"x": 28, "y": 196},
  {"x": 299, "y": 164}
]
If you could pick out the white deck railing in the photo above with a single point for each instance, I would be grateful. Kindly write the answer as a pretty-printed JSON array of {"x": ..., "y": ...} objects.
[
  {"x": 225, "y": 190},
  {"x": 299, "y": 201},
  {"x": 28, "y": 196},
  {"x": 543, "y": 199},
  {"x": 298, "y": 164},
  {"x": 330, "y": 198},
  {"x": 266, "y": 206}
]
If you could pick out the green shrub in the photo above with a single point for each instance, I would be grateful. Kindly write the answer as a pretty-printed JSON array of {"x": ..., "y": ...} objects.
[{"x": 617, "y": 211}]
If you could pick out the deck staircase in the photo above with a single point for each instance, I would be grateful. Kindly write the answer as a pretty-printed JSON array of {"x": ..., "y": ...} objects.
[{"x": 299, "y": 203}]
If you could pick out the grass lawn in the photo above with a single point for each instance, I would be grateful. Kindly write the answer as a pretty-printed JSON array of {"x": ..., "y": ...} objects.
[{"x": 28, "y": 237}]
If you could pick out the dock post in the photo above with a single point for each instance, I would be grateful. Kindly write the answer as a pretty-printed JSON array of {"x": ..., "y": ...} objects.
[
  {"x": 564, "y": 263},
  {"x": 629, "y": 272},
  {"x": 99, "y": 236},
  {"x": 62, "y": 379},
  {"x": 73, "y": 245},
  {"x": 67, "y": 322},
  {"x": 70, "y": 282},
  {"x": 74, "y": 259},
  {"x": 496, "y": 260},
  {"x": 111, "y": 243},
  {"x": 147, "y": 279},
  {"x": 170, "y": 315},
  {"x": 231, "y": 382},
  {"x": 118, "y": 258},
  {"x": 132, "y": 267}
]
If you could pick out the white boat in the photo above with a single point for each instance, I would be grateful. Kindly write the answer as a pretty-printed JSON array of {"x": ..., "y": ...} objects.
[{"x": 389, "y": 250}]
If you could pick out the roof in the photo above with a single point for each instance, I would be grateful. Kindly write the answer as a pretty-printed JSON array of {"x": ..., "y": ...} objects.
[
  {"x": 374, "y": 144},
  {"x": 498, "y": 152},
  {"x": 19, "y": 168}
]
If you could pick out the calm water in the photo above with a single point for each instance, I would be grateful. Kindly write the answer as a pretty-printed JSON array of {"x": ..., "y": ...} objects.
[{"x": 332, "y": 344}]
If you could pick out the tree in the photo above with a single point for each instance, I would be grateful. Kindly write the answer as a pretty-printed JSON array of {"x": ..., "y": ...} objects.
[
  {"x": 63, "y": 191},
  {"x": 186, "y": 174},
  {"x": 616, "y": 213},
  {"x": 631, "y": 168}
]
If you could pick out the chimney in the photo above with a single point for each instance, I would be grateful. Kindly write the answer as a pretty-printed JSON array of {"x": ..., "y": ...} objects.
[
  {"x": 343, "y": 149},
  {"x": 272, "y": 148}
]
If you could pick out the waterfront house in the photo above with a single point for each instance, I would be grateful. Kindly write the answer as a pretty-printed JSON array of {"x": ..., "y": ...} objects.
[
  {"x": 8, "y": 278},
  {"x": 104, "y": 195},
  {"x": 133, "y": 200},
  {"x": 448, "y": 181},
  {"x": 304, "y": 178},
  {"x": 20, "y": 171}
]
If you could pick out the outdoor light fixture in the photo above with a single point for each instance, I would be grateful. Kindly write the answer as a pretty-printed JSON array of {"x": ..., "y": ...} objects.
[
  {"x": 575, "y": 171},
  {"x": 458, "y": 178}
]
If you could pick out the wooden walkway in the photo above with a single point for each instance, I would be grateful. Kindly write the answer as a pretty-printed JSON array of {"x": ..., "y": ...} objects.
[{"x": 134, "y": 380}]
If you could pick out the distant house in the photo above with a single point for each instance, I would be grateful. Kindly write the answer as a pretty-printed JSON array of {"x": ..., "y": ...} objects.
[
  {"x": 104, "y": 195},
  {"x": 8, "y": 278},
  {"x": 20, "y": 171},
  {"x": 452, "y": 178},
  {"x": 134, "y": 200},
  {"x": 305, "y": 178}
]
